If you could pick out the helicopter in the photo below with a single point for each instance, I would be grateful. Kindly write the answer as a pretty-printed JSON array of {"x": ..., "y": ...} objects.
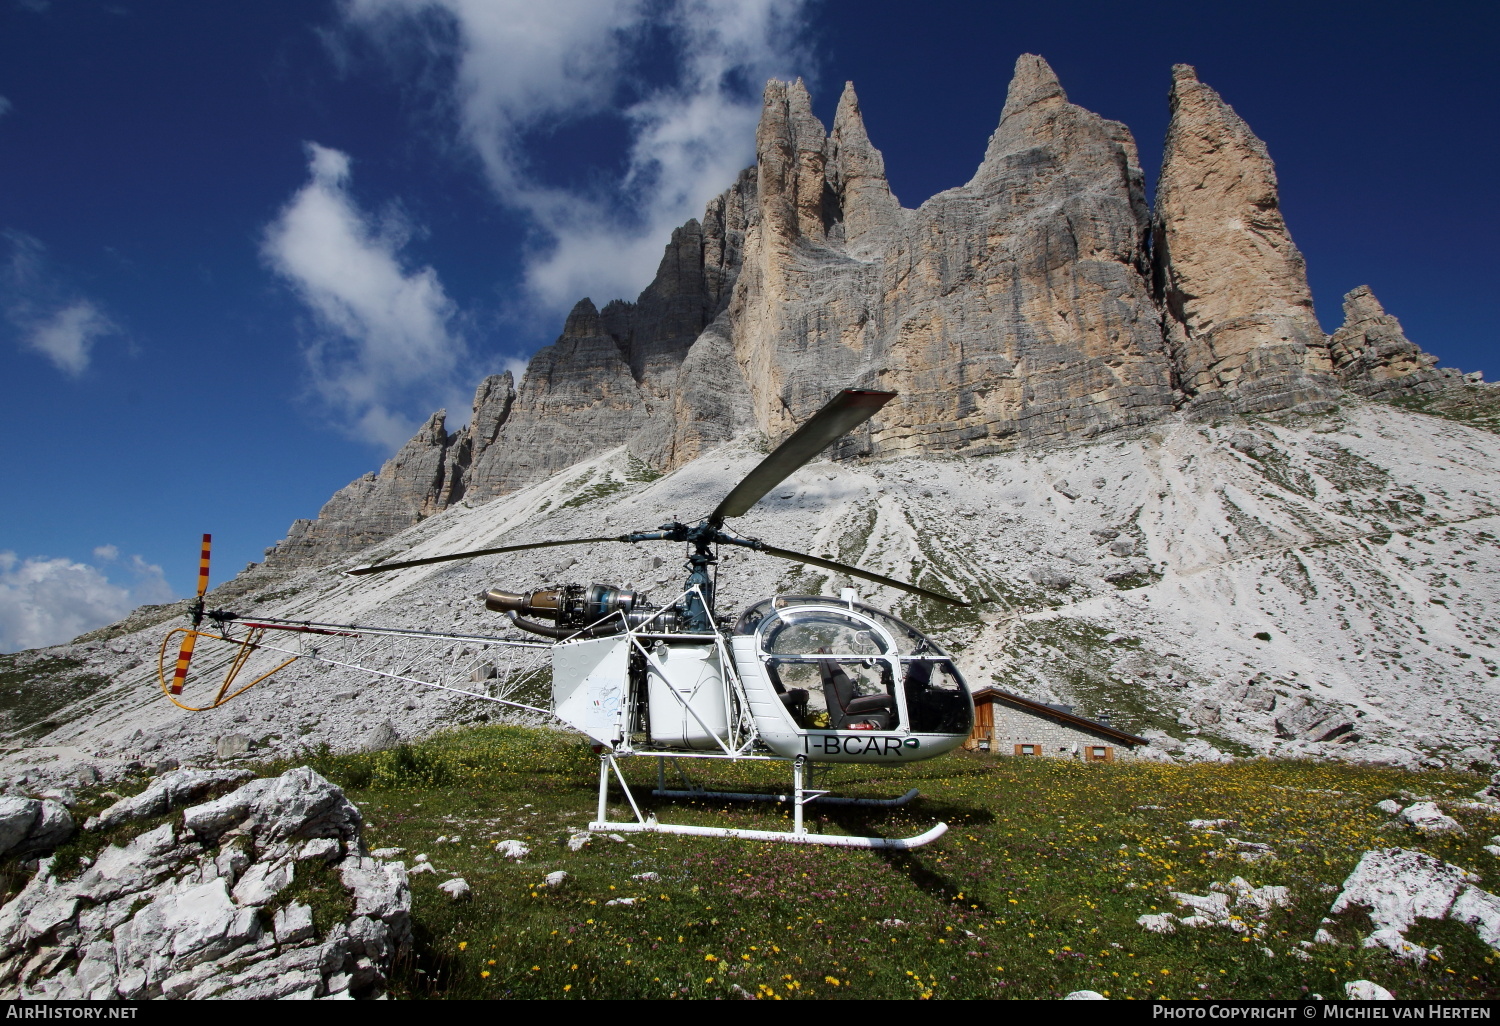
[{"x": 801, "y": 679}]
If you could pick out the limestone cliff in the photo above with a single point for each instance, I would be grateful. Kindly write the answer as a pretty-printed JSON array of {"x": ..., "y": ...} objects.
[
  {"x": 1232, "y": 286},
  {"x": 1012, "y": 310}
]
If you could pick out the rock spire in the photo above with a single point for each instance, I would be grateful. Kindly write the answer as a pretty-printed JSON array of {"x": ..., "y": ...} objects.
[
  {"x": 1232, "y": 285},
  {"x": 1372, "y": 355}
]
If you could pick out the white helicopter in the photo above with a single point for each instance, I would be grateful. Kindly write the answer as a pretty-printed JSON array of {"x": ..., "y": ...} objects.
[{"x": 797, "y": 678}]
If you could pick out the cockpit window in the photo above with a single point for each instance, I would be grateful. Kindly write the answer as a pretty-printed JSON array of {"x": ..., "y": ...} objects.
[{"x": 836, "y": 694}]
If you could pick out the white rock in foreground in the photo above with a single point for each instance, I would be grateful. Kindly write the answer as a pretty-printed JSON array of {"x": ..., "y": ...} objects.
[
  {"x": 1238, "y": 905},
  {"x": 173, "y": 914},
  {"x": 1364, "y": 990},
  {"x": 1428, "y": 819},
  {"x": 1399, "y": 886},
  {"x": 168, "y": 791},
  {"x": 457, "y": 889}
]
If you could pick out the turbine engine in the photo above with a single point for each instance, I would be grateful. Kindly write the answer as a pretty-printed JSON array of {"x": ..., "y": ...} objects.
[{"x": 576, "y": 608}]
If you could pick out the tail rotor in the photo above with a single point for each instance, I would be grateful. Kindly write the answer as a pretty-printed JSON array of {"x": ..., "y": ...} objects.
[{"x": 190, "y": 638}]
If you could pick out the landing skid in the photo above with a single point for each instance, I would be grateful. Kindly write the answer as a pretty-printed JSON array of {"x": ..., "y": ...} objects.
[
  {"x": 800, "y": 797},
  {"x": 732, "y": 796}
]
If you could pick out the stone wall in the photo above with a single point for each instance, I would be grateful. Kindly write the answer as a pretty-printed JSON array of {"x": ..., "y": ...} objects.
[{"x": 1014, "y": 725}]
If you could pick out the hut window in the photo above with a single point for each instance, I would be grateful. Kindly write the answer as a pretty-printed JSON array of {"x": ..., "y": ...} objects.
[
  {"x": 1028, "y": 749},
  {"x": 1099, "y": 753}
]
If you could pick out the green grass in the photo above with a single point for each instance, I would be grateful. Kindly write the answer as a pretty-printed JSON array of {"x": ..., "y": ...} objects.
[
  {"x": 32, "y": 689},
  {"x": 605, "y": 486},
  {"x": 1033, "y": 892},
  {"x": 1475, "y": 405}
]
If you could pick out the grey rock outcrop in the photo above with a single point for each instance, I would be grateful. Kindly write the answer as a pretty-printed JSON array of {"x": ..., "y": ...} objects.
[
  {"x": 298, "y": 804},
  {"x": 1372, "y": 355},
  {"x": 578, "y": 398},
  {"x": 170, "y": 915},
  {"x": 633, "y": 373},
  {"x": 1399, "y": 886},
  {"x": 1232, "y": 285}
]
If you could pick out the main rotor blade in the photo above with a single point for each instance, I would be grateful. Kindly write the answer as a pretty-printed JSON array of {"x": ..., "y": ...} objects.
[
  {"x": 854, "y": 571},
  {"x": 847, "y": 411},
  {"x": 380, "y": 568}
]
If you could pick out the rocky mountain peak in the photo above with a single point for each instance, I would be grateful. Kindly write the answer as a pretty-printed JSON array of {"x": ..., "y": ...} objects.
[
  {"x": 1231, "y": 284},
  {"x": 1033, "y": 82},
  {"x": 1371, "y": 353},
  {"x": 789, "y": 146},
  {"x": 856, "y": 174},
  {"x": 433, "y": 432},
  {"x": 1042, "y": 302},
  {"x": 583, "y": 320}
]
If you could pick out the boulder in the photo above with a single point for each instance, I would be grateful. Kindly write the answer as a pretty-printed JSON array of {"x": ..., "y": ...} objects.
[
  {"x": 382, "y": 737},
  {"x": 1398, "y": 886},
  {"x": 457, "y": 889},
  {"x": 298, "y": 804},
  {"x": 232, "y": 746},
  {"x": 17, "y": 817},
  {"x": 1428, "y": 819}
]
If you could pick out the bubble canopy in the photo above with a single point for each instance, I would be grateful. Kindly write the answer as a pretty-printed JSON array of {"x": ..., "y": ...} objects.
[
  {"x": 805, "y": 624},
  {"x": 839, "y": 665}
]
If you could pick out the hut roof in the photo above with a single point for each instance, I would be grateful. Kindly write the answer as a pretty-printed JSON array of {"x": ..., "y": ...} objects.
[{"x": 1070, "y": 719}]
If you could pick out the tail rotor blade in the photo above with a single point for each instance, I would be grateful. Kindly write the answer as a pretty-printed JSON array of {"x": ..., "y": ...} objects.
[
  {"x": 854, "y": 571},
  {"x": 380, "y": 568},
  {"x": 847, "y": 411},
  {"x": 184, "y": 657},
  {"x": 203, "y": 565}
]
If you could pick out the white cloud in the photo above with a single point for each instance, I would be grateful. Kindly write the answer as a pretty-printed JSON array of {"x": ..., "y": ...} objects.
[
  {"x": 385, "y": 352},
  {"x": 67, "y": 336},
  {"x": 516, "y": 367},
  {"x": 50, "y": 601},
  {"x": 107, "y": 553},
  {"x": 522, "y": 69},
  {"x": 46, "y": 314}
]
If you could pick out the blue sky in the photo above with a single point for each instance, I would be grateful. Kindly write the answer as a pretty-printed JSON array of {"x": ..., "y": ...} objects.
[{"x": 246, "y": 247}]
